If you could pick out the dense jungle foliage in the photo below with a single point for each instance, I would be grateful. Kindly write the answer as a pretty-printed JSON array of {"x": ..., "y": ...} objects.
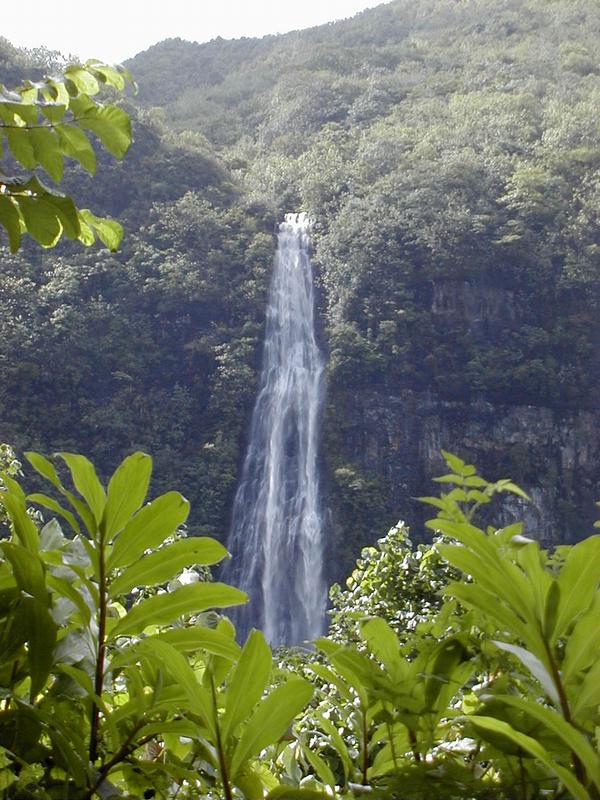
[
  {"x": 448, "y": 152},
  {"x": 119, "y": 679}
]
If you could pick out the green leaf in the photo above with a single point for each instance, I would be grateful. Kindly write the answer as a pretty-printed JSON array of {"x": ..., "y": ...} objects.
[
  {"x": 166, "y": 608},
  {"x": 86, "y": 482},
  {"x": 76, "y": 145},
  {"x": 45, "y": 468},
  {"x": 127, "y": 490},
  {"x": 454, "y": 463},
  {"x": 270, "y": 720},
  {"x": 338, "y": 744},
  {"x": 194, "y": 639},
  {"x": 109, "y": 232},
  {"x": 583, "y": 644},
  {"x": 51, "y": 504},
  {"x": 551, "y": 607},
  {"x": 149, "y": 528},
  {"x": 535, "y": 749},
  {"x": 19, "y": 141},
  {"x": 14, "y": 503},
  {"x": 555, "y": 722},
  {"x": 28, "y": 570},
  {"x": 41, "y": 633},
  {"x": 588, "y": 694},
  {"x": 535, "y": 667},
  {"x": 289, "y": 793},
  {"x": 383, "y": 643},
  {"x": 164, "y": 564},
  {"x": 83, "y": 79},
  {"x": 168, "y": 658},
  {"x": 247, "y": 683},
  {"x": 578, "y": 582},
  {"x": 10, "y": 219},
  {"x": 48, "y": 153},
  {"x": 66, "y": 589},
  {"x": 41, "y": 219},
  {"x": 112, "y": 126},
  {"x": 320, "y": 766}
]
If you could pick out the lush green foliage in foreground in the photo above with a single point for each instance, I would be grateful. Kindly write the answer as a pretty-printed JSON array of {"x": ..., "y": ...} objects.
[
  {"x": 42, "y": 123},
  {"x": 119, "y": 680}
]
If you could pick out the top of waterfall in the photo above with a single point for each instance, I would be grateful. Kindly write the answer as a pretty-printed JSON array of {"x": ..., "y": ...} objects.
[{"x": 300, "y": 221}]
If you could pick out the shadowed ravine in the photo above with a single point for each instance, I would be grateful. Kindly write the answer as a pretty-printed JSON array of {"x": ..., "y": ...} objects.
[{"x": 276, "y": 538}]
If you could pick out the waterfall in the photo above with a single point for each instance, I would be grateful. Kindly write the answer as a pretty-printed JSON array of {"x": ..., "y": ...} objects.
[{"x": 276, "y": 537}]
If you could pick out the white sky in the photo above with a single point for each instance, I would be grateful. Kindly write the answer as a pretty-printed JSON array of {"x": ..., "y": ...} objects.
[{"x": 114, "y": 30}]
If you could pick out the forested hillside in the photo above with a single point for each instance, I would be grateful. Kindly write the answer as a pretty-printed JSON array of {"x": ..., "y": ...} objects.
[{"x": 448, "y": 152}]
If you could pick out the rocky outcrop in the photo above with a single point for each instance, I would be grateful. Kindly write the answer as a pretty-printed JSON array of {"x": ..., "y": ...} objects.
[{"x": 393, "y": 442}]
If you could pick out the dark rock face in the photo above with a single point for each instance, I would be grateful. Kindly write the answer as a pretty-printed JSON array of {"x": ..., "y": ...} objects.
[{"x": 394, "y": 441}]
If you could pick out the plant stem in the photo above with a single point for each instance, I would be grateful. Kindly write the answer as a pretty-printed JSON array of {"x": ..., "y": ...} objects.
[
  {"x": 566, "y": 710},
  {"x": 365, "y": 753},
  {"x": 99, "y": 678},
  {"x": 412, "y": 738},
  {"x": 220, "y": 750}
]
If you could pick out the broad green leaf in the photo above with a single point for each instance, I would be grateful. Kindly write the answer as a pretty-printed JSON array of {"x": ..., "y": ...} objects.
[
  {"x": 86, "y": 482},
  {"x": 535, "y": 749},
  {"x": 583, "y": 645},
  {"x": 480, "y": 559},
  {"x": 109, "y": 232},
  {"x": 551, "y": 607},
  {"x": 66, "y": 213},
  {"x": 149, "y": 528},
  {"x": 112, "y": 126},
  {"x": 320, "y": 766},
  {"x": 19, "y": 141},
  {"x": 383, "y": 643},
  {"x": 270, "y": 720},
  {"x": 578, "y": 582},
  {"x": 328, "y": 676},
  {"x": 47, "y": 149},
  {"x": 110, "y": 75},
  {"x": 195, "y": 638},
  {"x": 10, "y": 219},
  {"x": 475, "y": 596},
  {"x": 338, "y": 744},
  {"x": 454, "y": 462},
  {"x": 535, "y": 667},
  {"x": 41, "y": 220},
  {"x": 28, "y": 570},
  {"x": 442, "y": 676},
  {"x": 587, "y": 695},
  {"x": 127, "y": 490},
  {"x": 45, "y": 468},
  {"x": 14, "y": 503},
  {"x": 69, "y": 754},
  {"x": 172, "y": 661},
  {"x": 41, "y": 638},
  {"x": 247, "y": 683},
  {"x": 164, "y": 564},
  {"x": 83, "y": 80},
  {"x": 66, "y": 589},
  {"x": 165, "y": 608},
  {"x": 555, "y": 722},
  {"x": 76, "y": 145},
  {"x": 289, "y": 793},
  {"x": 51, "y": 504}
]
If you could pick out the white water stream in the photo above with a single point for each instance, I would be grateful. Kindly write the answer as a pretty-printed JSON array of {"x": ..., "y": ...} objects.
[{"x": 276, "y": 538}]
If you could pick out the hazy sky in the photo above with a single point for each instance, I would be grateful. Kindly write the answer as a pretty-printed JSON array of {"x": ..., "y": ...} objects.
[{"x": 113, "y": 30}]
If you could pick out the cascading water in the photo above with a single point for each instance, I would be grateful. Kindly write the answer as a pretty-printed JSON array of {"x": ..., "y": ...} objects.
[{"x": 276, "y": 538}]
